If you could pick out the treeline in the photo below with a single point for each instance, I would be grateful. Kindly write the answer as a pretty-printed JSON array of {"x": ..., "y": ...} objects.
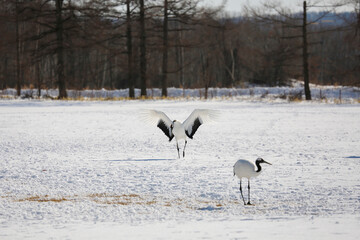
[{"x": 169, "y": 43}]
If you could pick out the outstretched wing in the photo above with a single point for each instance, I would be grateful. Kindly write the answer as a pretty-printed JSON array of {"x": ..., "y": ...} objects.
[
  {"x": 196, "y": 119},
  {"x": 162, "y": 121}
]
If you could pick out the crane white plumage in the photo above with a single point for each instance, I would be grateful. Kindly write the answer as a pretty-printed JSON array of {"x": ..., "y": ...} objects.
[
  {"x": 181, "y": 131},
  {"x": 246, "y": 169}
]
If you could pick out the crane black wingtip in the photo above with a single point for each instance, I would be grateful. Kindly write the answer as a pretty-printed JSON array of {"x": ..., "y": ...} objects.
[
  {"x": 197, "y": 123},
  {"x": 162, "y": 125}
]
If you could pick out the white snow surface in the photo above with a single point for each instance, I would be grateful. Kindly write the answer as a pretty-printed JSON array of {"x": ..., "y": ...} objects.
[{"x": 94, "y": 170}]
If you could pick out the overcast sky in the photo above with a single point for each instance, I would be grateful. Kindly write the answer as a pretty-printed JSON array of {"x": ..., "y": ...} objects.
[{"x": 235, "y": 6}]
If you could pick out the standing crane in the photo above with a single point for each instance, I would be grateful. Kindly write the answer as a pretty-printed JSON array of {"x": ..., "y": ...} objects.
[{"x": 246, "y": 169}]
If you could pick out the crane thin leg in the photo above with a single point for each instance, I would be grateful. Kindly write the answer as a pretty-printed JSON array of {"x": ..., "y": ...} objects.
[
  {"x": 249, "y": 192},
  {"x": 184, "y": 148},
  {"x": 242, "y": 193},
  {"x": 177, "y": 147}
]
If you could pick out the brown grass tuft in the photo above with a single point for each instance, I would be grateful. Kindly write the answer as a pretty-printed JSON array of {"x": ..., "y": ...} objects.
[
  {"x": 126, "y": 200},
  {"x": 43, "y": 199}
]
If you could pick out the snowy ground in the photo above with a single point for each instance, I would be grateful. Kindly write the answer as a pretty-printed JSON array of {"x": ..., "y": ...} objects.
[{"x": 93, "y": 170}]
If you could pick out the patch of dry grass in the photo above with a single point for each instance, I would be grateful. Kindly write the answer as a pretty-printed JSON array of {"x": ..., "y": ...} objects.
[
  {"x": 128, "y": 199},
  {"x": 44, "y": 198}
]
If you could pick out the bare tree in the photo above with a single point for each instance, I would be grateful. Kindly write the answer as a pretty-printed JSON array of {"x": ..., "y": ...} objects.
[
  {"x": 305, "y": 54},
  {"x": 165, "y": 51},
  {"x": 60, "y": 49},
  {"x": 142, "y": 49},
  {"x": 129, "y": 49},
  {"x": 293, "y": 21},
  {"x": 18, "y": 65}
]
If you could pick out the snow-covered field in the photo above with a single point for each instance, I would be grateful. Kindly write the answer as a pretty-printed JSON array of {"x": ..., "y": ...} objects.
[{"x": 93, "y": 170}]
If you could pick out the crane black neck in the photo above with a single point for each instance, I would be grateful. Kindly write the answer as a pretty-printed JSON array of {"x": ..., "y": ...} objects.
[{"x": 257, "y": 163}]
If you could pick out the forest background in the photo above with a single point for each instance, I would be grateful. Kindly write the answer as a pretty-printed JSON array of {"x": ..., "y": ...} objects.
[{"x": 128, "y": 44}]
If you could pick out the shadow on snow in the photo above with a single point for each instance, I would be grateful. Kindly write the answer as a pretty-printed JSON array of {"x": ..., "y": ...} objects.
[{"x": 143, "y": 160}]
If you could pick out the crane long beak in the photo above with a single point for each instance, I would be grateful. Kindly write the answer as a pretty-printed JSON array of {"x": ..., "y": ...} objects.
[{"x": 267, "y": 162}]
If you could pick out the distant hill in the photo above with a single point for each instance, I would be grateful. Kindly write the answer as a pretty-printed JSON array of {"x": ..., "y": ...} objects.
[
  {"x": 329, "y": 19},
  {"x": 332, "y": 19}
]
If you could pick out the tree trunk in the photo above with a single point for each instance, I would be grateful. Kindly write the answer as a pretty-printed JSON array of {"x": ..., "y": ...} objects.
[
  {"x": 18, "y": 79},
  {"x": 182, "y": 76},
  {"x": 4, "y": 75},
  {"x": 129, "y": 50},
  {"x": 104, "y": 72},
  {"x": 37, "y": 63},
  {"x": 142, "y": 49},
  {"x": 305, "y": 57},
  {"x": 205, "y": 72},
  {"x": 165, "y": 51},
  {"x": 180, "y": 59},
  {"x": 38, "y": 77},
  {"x": 60, "y": 50}
]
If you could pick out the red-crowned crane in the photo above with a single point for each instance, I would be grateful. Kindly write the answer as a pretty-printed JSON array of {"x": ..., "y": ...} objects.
[
  {"x": 246, "y": 169},
  {"x": 182, "y": 131}
]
